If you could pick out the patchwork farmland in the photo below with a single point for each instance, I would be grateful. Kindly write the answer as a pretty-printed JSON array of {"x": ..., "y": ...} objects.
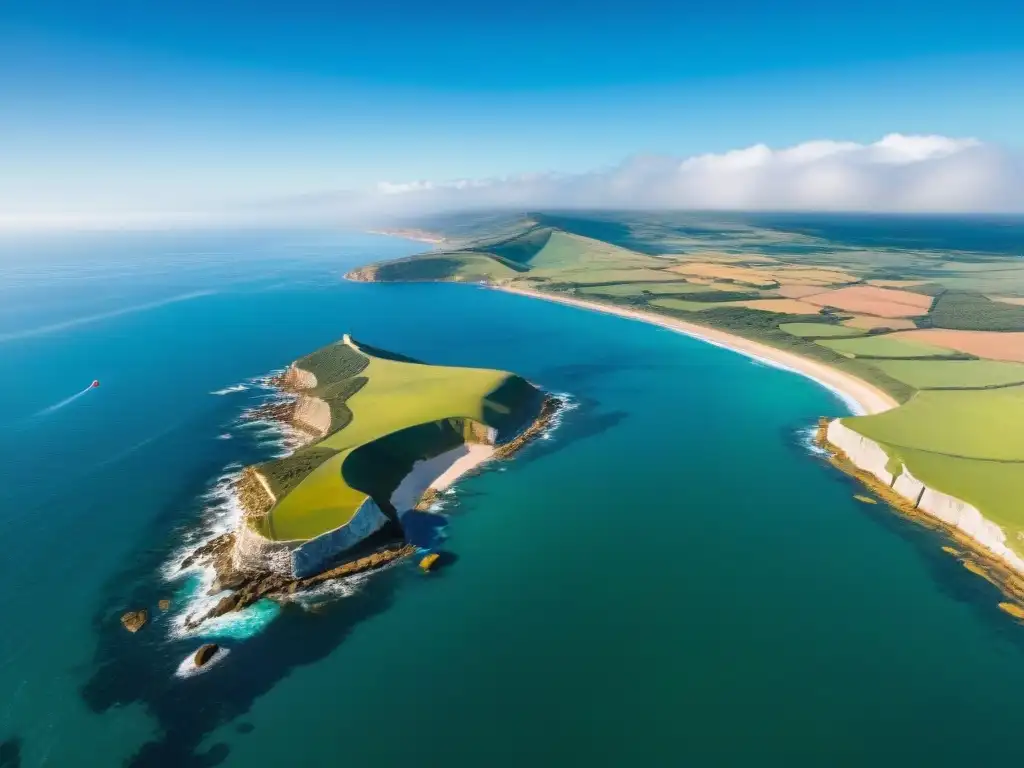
[{"x": 941, "y": 332}]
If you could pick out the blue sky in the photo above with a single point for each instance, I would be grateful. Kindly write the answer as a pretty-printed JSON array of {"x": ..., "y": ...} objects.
[{"x": 109, "y": 105}]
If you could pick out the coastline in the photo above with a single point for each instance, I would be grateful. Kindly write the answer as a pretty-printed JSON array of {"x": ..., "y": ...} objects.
[
  {"x": 984, "y": 555},
  {"x": 234, "y": 580},
  {"x": 861, "y": 397}
]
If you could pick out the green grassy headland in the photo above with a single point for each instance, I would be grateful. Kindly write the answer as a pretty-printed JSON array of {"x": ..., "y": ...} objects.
[{"x": 386, "y": 413}]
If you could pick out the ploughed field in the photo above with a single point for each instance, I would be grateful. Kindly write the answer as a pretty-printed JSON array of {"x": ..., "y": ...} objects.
[{"x": 941, "y": 331}]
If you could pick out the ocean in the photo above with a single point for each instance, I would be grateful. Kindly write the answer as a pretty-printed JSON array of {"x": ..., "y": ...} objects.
[{"x": 671, "y": 577}]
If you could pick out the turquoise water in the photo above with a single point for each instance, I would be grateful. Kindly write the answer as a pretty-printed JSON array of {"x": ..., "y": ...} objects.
[{"x": 672, "y": 578}]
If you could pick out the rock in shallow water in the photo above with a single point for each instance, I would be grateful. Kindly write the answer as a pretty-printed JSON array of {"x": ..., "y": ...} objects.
[
  {"x": 134, "y": 620},
  {"x": 205, "y": 653}
]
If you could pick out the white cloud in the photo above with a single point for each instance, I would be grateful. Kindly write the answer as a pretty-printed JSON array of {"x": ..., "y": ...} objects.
[{"x": 898, "y": 173}]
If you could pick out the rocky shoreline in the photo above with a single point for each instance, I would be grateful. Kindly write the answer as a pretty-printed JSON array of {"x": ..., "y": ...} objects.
[
  {"x": 972, "y": 554},
  {"x": 246, "y": 586}
]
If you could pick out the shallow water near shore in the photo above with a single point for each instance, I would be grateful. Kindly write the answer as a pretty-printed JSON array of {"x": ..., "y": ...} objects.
[{"x": 672, "y": 577}]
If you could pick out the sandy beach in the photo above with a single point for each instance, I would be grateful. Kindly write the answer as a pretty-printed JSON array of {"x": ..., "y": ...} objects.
[
  {"x": 439, "y": 473},
  {"x": 863, "y": 398},
  {"x": 416, "y": 235}
]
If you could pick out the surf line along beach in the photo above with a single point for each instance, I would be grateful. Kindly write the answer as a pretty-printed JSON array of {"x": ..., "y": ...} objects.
[
  {"x": 986, "y": 554},
  {"x": 861, "y": 397}
]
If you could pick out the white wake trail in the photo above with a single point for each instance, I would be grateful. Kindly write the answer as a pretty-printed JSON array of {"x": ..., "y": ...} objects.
[
  {"x": 62, "y": 403},
  {"x": 45, "y": 329}
]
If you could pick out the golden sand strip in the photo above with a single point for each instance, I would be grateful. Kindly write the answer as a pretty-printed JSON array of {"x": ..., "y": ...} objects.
[
  {"x": 974, "y": 556},
  {"x": 863, "y": 396}
]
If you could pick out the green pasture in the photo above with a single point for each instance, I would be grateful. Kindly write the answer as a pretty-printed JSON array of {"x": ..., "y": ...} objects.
[
  {"x": 884, "y": 346},
  {"x": 523, "y": 247},
  {"x": 960, "y": 374},
  {"x": 819, "y": 330},
  {"x": 994, "y": 487},
  {"x": 977, "y": 424}
]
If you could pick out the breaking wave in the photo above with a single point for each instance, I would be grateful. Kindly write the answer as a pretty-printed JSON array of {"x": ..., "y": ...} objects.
[
  {"x": 568, "y": 404},
  {"x": 230, "y": 390},
  {"x": 222, "y": 513},
  {"x": 188, "y": 667},
  {"x": 807, "y": 438}
]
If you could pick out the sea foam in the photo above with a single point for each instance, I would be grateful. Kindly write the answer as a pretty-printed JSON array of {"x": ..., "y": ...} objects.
[{"x": 230, "y": 390}]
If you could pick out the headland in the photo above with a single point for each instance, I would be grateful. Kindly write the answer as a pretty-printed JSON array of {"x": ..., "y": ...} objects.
[{"x": 382, "y": 435}]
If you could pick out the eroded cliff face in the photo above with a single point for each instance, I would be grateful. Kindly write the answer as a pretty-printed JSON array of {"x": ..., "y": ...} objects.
[
  {"x": 867, "y": 455},
  {"x": 295, "y": 379},
  {"x": 254, "y": 494},
  {"x": 312, "y": 415}
]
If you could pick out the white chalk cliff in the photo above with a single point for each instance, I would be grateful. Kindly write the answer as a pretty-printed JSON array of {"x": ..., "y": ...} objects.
[{"x": 871, "y": 457}]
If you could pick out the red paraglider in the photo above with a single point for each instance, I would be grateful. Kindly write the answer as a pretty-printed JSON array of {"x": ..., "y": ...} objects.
[{"x": 95, "y": 383}]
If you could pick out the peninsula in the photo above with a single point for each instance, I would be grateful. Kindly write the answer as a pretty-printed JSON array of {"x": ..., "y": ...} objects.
[
  {"x": 385, "y": 432},
  {"x": 927, "y": 346}
]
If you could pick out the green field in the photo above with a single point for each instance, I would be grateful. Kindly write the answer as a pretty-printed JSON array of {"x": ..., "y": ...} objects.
[
  {"x": 637, "y": 290},
  {"x": 564, "y": 251},
  {"x": 978, "y": 424},
  {"x": 994, "y": 487},
  {"x": 964, "y": 443},
  {"x": 682, "y": 304},
  {"x": 945, "y": 374},
  {"x": 819, "y": 330},
  {"x": 320, "y": 487},
  {"x": 884, "y": 346},
  {"x": 961, "y": 423}
]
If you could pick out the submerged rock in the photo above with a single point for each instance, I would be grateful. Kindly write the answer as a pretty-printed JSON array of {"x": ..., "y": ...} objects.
[
  {"x": 133, "y": 621},
  {"x": 205, "y": 653},
  {"x": 10, "y": 753},
  {"x": 164, "y": 604}
]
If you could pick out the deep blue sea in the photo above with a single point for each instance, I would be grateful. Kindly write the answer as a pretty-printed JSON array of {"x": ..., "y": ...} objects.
[{"x": 671, "y": 578}]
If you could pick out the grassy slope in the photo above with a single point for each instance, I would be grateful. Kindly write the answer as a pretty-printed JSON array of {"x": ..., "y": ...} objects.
[
  {"x": 977, "y": 424},
  {"x": 993, "y": 487},
  {"x": 397, "y": 395},
  {"x": 965, "y": 443},
  {"x": 958, "y": 374}
]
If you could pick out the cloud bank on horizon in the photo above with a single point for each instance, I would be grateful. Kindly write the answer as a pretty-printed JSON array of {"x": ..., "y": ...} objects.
[{"x": 897, "y": 174}]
